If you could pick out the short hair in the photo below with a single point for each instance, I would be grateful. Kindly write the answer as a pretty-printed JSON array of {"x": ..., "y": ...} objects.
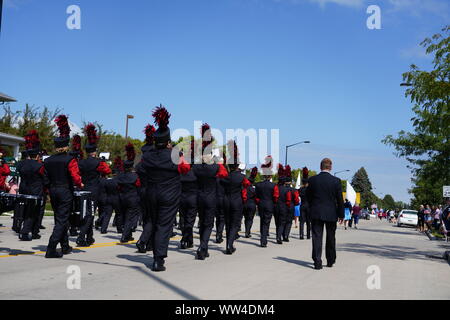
[{"x": 326, "y": 164}]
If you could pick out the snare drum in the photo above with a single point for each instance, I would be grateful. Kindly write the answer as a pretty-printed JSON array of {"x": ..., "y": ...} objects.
[
  {"x": 8, "y": 202},
  {"x": 81, "y": 201}
]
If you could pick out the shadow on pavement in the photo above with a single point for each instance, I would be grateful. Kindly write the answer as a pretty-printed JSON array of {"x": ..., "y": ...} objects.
[
  {"x": 13, "y": 252},
  {"x": 305, "y": 264},
  {"x": 389, "y": 251}
]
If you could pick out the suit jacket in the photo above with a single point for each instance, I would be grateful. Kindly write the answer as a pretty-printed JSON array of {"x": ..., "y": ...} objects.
[{"x": 325, "y": 200}]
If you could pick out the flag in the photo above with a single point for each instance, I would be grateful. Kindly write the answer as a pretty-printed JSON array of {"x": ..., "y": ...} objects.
[
  {"x": 351, "y": 194},
  {"x": 298, "y": 184}
]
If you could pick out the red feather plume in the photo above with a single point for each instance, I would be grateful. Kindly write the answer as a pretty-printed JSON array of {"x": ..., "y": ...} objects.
[
  {"x": 32, "y": 140},
  {"x": 254, "y": 173},
  {"x": 76, "y": 145},
  {"x": 207, "y": 137},
  {"x": 287, "y": 171},
  {"x": 91, "y": 133},
  {"x": 281, "y": 172},
  {"x": 149, "y": 131},
  {"x": 118, "y": 164},
  {"x": 161, "y": 116},
  {"x": 63, "y": 126},
  {"x": 131, "y": 154},
  {"x": 305, "y": 173}
]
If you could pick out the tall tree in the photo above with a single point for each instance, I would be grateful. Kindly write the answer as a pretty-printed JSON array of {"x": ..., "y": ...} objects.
[
  {"x": 361, "y": 183},
  {"x": 427, "y": 147}
]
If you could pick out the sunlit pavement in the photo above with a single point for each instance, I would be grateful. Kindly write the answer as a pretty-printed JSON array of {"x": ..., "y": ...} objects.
[{"x": 377, "y": 261}]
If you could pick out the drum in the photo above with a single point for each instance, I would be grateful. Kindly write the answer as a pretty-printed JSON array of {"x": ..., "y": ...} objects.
[
  {"x": 81, "y": 201},
  {"x": 7, "y": 202}
]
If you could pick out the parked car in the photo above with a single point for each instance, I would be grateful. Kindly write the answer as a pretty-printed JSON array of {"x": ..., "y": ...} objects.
[{"x": 407, "y": 217}]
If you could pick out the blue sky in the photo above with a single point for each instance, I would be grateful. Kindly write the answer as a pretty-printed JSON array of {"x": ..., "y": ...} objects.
[{"x": 310, "y": 68}]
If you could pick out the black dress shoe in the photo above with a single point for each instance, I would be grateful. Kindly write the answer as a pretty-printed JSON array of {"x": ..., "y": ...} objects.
[
  {"x": 286, "y": 239},
  {"x": 90, "y": 241},
  {"x": 67, "y": 250},
  {"x": 141, "y": 247},
  {"x": 36, "y": 236},
  {"x": 53, "y": 254},
  {"x": 318, "y": 267},
  {"x": 103, "y": 232},
  {"x": 25, "y": 237},
  {"x": 279, "y": 241},
  {"x": 219, "y": 240},
  {"x": 302, "y": 238},
  {"x": 263, "y": 245},
  {"x": 81, "y": 243},
  {"x": 248, "y": 235},
  {"x": 237, "y": 236},
  {"x": 183, "y": 245},
  {"x": 149, "y": 247},
  {"x": 42, "y": 227},
  {"x": 330, "y": 265},
  {"x": 200, "y": 255},
  {"x": 158, "y": 266}
]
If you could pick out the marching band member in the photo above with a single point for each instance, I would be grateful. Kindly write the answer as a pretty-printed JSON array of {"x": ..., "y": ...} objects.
[
  {"x": 207, "y": 173},
  {"x": 304, "y": 207},
  {"x": 295, "y": 200},
  {"x": 163, "y": 169},
  {"x": 77, "y": 154},
  {"x": 33, "y": 180},
  {"x": 91, "y": 170},
  {"x": 235, "y": 186},
  {"x": 283, "y": 205},
  {"x": 128, "y": 185},
  {"x": 63, "y": 173},
  {"x": 4, "y": 172},
  {"x": 267, "y": 195}
]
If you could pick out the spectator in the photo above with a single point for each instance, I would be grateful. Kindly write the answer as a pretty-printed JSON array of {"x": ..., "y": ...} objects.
[
  {"x": 356, "y": 214},
  {"x": 421, "y": 219},
  {"x": 348, "y": 213}
]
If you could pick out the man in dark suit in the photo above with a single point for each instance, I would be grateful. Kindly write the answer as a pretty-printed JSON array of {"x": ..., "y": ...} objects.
[{"x": 326, "y": 207}]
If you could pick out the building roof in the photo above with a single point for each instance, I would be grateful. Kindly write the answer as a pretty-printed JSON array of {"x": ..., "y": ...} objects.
[
  {"x": 6, "y": 137},
  {"x": 5, "y": 98}
]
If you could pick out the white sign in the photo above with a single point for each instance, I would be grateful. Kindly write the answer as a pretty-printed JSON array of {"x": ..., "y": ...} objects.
[{"x": 446, "y": 191}]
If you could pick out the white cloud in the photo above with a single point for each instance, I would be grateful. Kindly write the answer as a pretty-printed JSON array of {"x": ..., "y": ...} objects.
[{"x": 439, "y": 8}]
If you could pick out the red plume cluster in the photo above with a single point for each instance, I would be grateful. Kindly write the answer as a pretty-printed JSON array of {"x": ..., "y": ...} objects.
[
  {"x": 281, "y": 170},
  {"x": 76, "y": 145},
  {"x": 118, "y": 164},
  {"x": 131, "y": 154},
  {"x": 63, "y": 126},
  {"x": 149, "y": 131},
  {"x": 91, "y": 133},
  {"x": 207, "y": 137},
  {"x": 161, "y": 116},
  {"x": 305, "y": 173},
  {"x": 287, "y": 171},
  {"x": 254, "y": 173},
  {"x": 32, "y": 140},
  {"x": 268, "y": 163}
]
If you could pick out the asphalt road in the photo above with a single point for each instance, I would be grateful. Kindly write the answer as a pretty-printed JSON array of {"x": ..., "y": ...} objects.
[{"x": 402, "y": 264}]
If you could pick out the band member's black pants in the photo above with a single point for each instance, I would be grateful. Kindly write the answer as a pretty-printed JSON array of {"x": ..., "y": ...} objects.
[
  {"x": 220, "y": 218},
  {"x": 249, "y": 215},
  {"x": 188, "y": 213},
  {"x": 265, "y": 212},
  {"x": 131, "y": 216},
  {"x": 281, "y": 219},
  {"x": 317, "y": 238},
  {"x": 288, "y": 225},
  {"x": 31, "y": 218},
  {"x": 233, "y": 216},
  {"x": 304, "y": 219},
  {"x": 207, "y": 204},
  {"x": 61, "y": 200}
]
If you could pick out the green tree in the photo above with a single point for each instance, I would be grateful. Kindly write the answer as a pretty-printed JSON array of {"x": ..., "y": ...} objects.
[
  {"x": 361, "y": 183},
  {"x": 389, "y": 202},
  {"x": 427, "y": 147}
]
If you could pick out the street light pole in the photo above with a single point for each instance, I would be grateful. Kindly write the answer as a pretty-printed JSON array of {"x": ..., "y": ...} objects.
[
  {"x": 287, "y": 147},
  {"x": 341, "y": 172},
  {"x": 129, "y": 116}
]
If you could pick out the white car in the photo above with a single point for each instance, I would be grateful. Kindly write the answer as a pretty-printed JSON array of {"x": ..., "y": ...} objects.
[{"x": 407, "y": 217}]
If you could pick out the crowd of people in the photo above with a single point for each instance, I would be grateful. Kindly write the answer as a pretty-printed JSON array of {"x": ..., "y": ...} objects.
[
  {"x": 166, "y": 182},
  {"x": 434, "y": 218}
]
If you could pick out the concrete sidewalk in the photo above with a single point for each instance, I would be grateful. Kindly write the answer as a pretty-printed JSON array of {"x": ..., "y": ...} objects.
[{"x": 410, "y": 265}]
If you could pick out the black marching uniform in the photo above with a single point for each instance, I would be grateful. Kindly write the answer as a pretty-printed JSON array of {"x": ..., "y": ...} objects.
[
  {"x": 249, "y": 210},
  {"x": 267, "y": 194},
  {"x": 304, "y": 215},
  {"x": 128, "y": 186},
  {"x": 188, "y": 208},
  {"x": 282, "y": 211},
  {"x": 220, "y": 214}
]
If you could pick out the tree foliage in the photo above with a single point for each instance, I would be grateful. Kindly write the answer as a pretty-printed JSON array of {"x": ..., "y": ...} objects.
[{"x": 427, "y": 148}]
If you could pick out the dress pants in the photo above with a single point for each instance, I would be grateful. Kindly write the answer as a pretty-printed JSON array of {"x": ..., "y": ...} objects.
[
  {"x": 304, "y": 219},
  {"x": 207, "y": 207},
  {"x": 249, "y": 215},
  {"x": 61, "y": 200},
  {"x": 220, "y": 219},
  {"x": 131, "y": 214},
  {"x": 31, "y": 218},
  {"x": 317, "y": 238},
  {"x": 265, "y": 213},
  {"x": 87, "y": 224},
  {"x": 188, "y": 213},
  {"x": 281, "y": 219},
  {"x": 288, "y": 225},
  {"x": 233, "y": 216}
]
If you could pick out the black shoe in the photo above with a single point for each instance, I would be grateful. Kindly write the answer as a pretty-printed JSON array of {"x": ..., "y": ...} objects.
[
  {"x": 330, "y": 265},
  {"x": 263, "y": 245},
  {"x": 318, "y": 267},
  {"x": 231, "y": 250},
  {"x": 200, "y": 255},
  {"x": 237, "y": 236},
  {"x": 183, "y": 245},
  {"x": 73, "y": 233},
  {"x": 141, "y": 247},
  {"x": 36, "y": 236},
  {"x": 66, "y": 250},
  {"x": 42, "y": 227},
  {"x": 309, "y": 238},
  {"x": 302, "y": 238},
  {"x": 90, "y": 241},
  {"x": 53, "y": 254},
  {"x": 248, "y": 235},
  {"x": 149, "y": 247},
  {"x": 119, "y": 230},
  {"x": 125, "y": 240},
  {"x": 220, "y": 240},
  {"x": 103, "y": 232},
  {"x": 158, "y": 266},
  {"x": 81, "y": 243},
  {"x": 279, "y": 241},
  {"x": 286, "y": 239},
  {"x": 97, "y": 225},
  {"x": 25, "y": 237}
]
